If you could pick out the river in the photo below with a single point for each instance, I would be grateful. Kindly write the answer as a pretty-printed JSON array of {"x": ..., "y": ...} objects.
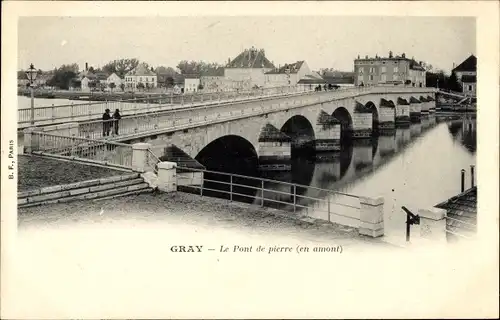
[{"x": 416, "y": 167}]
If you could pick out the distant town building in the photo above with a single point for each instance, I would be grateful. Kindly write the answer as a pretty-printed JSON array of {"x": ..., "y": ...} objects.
[
  {"x": 466, "y": 74},
  {"x": 248, "y": 69},
  {"x": 114, "y": 78},
  {"x": 339, "y": 78},
  {"x": 141, "y": 75},
  {"x": 311, "y": 81},
  {"x": 289, "y": 74},
  {"x": 191, "y": 82},
  {"x": 213, "y": 80},
  {"x": 388, "y": 70}
]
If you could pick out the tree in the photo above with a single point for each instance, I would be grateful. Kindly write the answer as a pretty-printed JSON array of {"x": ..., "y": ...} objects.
[
  {"x": 453, "y": 83},
  {"x": 121, "y": 66},
  {"x": 91, "y": 69},
  {"x": 122, "y": 86},
  {"x": 63, "y": 76},
  {"x": 435, "y": 79},
  {"x": 170, "y": 82},
  {"x": 140, "y": 85},
  {"x": 189, "y": 67},
  {"x": 200, "y": 87},
  {"x": 147, "y": 86},
  {"x": 92, "y": 85},
  {"x": 112, "y": 85}
]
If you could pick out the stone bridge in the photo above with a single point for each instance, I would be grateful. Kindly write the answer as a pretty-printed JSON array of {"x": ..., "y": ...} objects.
[{"x": 270, "y": 129}]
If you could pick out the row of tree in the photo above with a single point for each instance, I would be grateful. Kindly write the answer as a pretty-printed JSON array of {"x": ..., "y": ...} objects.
[{"x": 441, "y": 80}]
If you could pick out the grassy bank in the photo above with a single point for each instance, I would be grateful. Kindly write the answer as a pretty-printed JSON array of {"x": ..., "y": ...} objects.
[{"x": 38, "y": 172}]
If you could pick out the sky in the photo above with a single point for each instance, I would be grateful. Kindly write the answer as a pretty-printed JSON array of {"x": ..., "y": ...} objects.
[{"x": 322, "y": 41}]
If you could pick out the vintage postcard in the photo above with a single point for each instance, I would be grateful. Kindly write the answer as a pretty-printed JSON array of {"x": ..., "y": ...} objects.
[{"x": 249, "y": 159}]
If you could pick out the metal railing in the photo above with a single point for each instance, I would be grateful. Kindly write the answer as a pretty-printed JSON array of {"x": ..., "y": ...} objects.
[
  {"x": 203, "y": 115},
  {"x": 89, "y": 110},
  {"x": 152, "y": 161},
  {"x": 104, "y": 152},
  {"x": 325, "y": 204}
]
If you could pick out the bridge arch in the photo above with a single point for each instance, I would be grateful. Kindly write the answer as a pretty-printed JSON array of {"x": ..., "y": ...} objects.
[
  {"x": 231, "y": 154},
  {"x": 375, "y": 115},
  {"x": 345, "y": 118},
  {"x": 300, "y": 129}
]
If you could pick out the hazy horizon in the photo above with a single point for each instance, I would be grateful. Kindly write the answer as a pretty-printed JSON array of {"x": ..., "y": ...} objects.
[{"x": 323, "y": 42}]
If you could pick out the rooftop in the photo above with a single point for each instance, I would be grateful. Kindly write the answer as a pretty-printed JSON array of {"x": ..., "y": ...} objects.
[
  {"x": 469, "y": 64},
  {"x": 141, "y": 70},
  {"x": 461, "y": 211},
  {"x": 251, "y": 58},
  {"x": 287, "y": 68}
]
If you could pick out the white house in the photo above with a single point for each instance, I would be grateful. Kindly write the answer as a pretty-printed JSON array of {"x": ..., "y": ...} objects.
[
  {"x": 247, "y": 69},
  {"x": 287, "y": 75},
  {"x": 191, "y": 83},
  {"x": 113, "y": 78},
  {"x": 466, "y": 74},
  {"x": 141, "y": 75}
]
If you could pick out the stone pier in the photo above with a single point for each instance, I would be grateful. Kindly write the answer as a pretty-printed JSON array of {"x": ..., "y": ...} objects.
[
  {"x": 432, "y": 104},
  {"x": 402, "y": 113},
  {"x": 415, "y": 109},
  {"x": 362, "y": 121},
  {"x": 424, "y": 112},
  {"x": 387, "y": 116},
  {"x": 327, "y": 132},
  {"x": 274, "y": 149}
]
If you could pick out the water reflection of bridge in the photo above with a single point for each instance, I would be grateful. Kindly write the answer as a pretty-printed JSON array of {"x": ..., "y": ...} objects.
[{"x": 360, "y": 159}]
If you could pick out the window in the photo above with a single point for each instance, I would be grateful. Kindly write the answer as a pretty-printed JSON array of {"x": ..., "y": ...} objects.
[
  {"x": 371, "y": 77},
  {"x": 383, "y": 78},
  {"x": 372, "y": 70},
  {"x": 470, "y": 87},
  {"x": 395, "y": 69},
  {"x": 396, "y": 77},
  {"x": 384, "y": 69},
  {"x": 360, "y": 79},
  {"x": 361, "y": 70}
]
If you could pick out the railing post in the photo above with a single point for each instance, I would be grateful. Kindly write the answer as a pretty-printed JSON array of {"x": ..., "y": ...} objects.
[
  {"x": 262, "y": 193},
  {"x": 167, "y": 176},
  {"x": 140, "y": 156},
  {"x": 231, "y": 188},
  {"x": 329, "y": 216},
  {"x": 472, "y": 176},
  {"x": 462, "y": 185},
  {"x": 294, "y": 198}
]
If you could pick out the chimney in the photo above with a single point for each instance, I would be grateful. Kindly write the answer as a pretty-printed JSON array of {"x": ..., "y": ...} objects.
[
  {"x": 86, "y": 66},
  {"x": 403, "y": 55},
  {"x": 390, "y": 54}
]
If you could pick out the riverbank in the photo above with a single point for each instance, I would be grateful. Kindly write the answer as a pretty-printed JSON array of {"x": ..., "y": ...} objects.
[{"x": 193, "y": 210}]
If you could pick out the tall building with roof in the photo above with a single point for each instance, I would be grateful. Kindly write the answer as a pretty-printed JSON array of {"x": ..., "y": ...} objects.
[
  {"x": 467, "y": 75},
  {"x": 248, "y": 69},
  {"x": 289, "y": 74},
  {"x": 141, "y": 74},
  {"x": 388, "y": 70}
]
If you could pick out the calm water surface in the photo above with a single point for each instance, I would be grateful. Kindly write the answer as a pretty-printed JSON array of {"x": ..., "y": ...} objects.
[{"x": 417, "y": 167}]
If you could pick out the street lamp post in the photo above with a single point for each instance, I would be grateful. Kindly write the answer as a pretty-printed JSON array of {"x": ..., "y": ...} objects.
[{"x": 31, "y": 74}]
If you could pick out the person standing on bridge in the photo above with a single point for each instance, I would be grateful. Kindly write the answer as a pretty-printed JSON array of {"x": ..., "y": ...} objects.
[
  {"x": 106, "y": 123},
  {"x": 116, "y": 117}
]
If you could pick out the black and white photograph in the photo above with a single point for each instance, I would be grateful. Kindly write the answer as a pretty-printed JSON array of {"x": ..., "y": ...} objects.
[{"x": 163, "y": 158}]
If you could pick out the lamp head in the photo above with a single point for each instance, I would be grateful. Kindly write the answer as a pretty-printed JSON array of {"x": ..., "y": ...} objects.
[{"x": 31, "y": 73}]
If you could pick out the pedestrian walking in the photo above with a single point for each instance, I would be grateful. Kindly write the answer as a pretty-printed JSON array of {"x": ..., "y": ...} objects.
[
  {"x": 116, "y": 117},
  {"x": 106, "y": 123}
]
